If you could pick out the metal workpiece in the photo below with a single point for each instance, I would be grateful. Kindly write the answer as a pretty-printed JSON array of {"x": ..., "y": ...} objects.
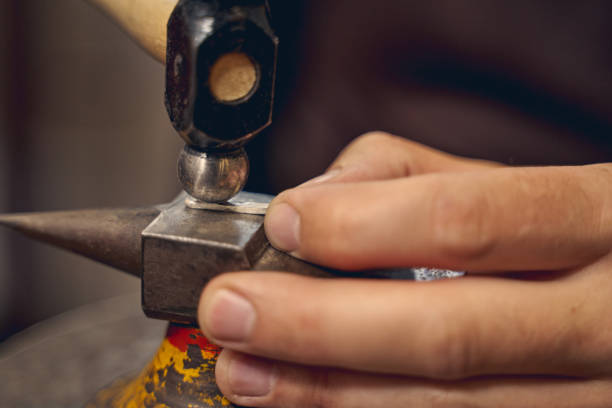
[
  {"x": 220, "y": 71},
  {"x": 109, "y": 236},
  {"x": 213, "y": 176},
  {"x": 244, "y": 203}
]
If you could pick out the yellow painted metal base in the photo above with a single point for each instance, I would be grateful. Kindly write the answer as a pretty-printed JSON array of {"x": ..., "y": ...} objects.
[{"x": 181, "y": 375}]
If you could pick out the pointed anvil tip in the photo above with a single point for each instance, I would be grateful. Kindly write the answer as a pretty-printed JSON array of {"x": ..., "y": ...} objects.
[{"x": 109, "y": 236}]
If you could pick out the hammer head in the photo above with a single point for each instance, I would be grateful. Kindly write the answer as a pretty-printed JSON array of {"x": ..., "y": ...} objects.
[{"x": 221, "y": 69}]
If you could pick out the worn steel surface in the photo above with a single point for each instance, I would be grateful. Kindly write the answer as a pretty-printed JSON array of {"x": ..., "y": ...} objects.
[{"x": 184, "y": 248}]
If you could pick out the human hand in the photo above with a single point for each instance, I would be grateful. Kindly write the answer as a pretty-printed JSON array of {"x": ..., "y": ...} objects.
[{"x": 530, "y": 326}]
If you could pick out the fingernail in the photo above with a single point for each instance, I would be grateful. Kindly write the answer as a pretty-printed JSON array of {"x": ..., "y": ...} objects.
[
  {"x": 283, "y": 227},
  {"x": 250, "y": 377},
  {"x": 230, "y": 317},
  {"x": 322, "y": 178}
]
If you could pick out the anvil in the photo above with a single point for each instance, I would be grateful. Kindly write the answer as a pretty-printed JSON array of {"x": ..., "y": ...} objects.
[{"x": 176, "y": 249}]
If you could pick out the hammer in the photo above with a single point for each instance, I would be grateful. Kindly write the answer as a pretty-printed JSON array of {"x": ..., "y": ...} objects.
[{"x": 221, "y": 58}]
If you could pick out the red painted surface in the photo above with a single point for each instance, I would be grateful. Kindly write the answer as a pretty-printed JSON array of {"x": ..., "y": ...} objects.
[{"x": 181, "y": 337}]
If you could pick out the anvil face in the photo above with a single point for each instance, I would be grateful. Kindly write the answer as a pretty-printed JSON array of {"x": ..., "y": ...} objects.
[{"x": 184, "y": 248}]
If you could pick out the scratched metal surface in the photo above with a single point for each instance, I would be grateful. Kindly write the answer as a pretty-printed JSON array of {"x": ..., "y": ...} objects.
[{"x": 63, "y": 361}]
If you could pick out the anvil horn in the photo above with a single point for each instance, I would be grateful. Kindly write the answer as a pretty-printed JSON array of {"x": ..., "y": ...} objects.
[{"x": 109, "y": 236}]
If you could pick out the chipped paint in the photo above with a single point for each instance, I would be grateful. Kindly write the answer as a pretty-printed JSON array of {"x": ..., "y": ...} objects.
[{"x": 181, "y": 375}]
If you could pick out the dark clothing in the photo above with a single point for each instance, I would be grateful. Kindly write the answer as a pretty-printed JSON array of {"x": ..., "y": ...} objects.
[{"x": 521, "y": 82}]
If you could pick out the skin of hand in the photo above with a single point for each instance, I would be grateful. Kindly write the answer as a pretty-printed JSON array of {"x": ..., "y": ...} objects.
[{"x": 529, "y": 326}]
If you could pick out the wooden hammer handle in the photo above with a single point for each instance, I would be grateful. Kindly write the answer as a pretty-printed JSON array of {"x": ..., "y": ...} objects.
[{"x": 144, "y": 20}]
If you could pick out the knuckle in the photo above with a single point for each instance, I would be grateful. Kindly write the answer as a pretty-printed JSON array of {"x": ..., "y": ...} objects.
[
  {"x": 607, "y": 389},
  {"x": 380, "y": 155},
  {"x": 336, "y": 238},
  {"x": 461, "y": 224},
  {"x": 373, "y": 138},
  {"x": 368, "y": 143},
  {"x": 445, "y": 396},
  {"x": 327, "y": 228},
  {"x": 449, "y": 353},
  {"x": 320, "y": 393}
]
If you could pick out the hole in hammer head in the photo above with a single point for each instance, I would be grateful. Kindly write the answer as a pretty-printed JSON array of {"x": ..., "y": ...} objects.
[{"x": 232, "y": 77}]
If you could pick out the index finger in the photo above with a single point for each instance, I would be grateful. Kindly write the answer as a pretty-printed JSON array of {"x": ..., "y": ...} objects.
[{"x": 504, "y": 219}]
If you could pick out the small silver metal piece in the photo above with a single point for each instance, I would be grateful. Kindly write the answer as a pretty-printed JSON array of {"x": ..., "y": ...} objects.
[
  {"x": 430, "y": 274},
  {"x": 243, "y": 203},
  {"x": 213, "y": 177}
]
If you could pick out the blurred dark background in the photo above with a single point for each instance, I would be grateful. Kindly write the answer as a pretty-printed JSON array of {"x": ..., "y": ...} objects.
[{"x": 83, "y": 125}]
